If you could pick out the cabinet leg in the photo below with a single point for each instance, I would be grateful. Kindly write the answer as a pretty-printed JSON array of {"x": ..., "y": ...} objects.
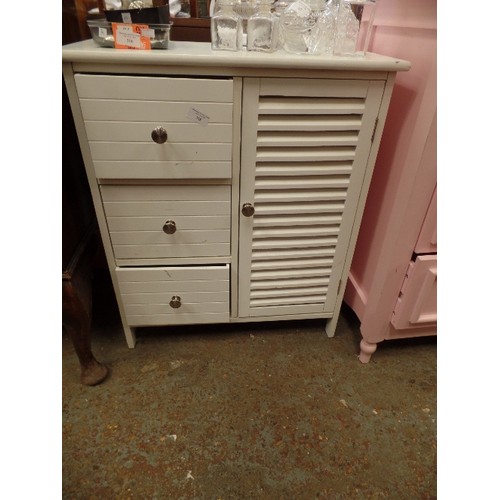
[
  {"x": 129, "y": 336},
  {"x": 366, "y": 351},
  {"x": 330, "y": 327}
]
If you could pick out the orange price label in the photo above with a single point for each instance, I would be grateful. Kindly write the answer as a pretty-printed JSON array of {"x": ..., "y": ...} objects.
[{"x": 130, "y": 36}]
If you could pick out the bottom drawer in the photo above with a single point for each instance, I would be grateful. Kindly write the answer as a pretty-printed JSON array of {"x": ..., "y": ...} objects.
[{"x": 175, "y": 295}]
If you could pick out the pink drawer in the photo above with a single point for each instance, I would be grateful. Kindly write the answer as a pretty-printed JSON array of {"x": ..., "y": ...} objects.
[{"x": 417, "y": 304}]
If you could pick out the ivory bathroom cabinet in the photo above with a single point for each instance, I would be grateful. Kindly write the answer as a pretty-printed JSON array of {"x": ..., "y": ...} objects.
[{"x": 228, "y": 187}]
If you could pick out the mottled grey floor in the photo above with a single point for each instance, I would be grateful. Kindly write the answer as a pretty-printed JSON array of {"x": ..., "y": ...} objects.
[{"x": 271, "y": 411}]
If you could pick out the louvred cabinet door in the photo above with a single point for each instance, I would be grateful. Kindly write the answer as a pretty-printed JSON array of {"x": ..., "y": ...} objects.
[{"x": 304, "y": 153}]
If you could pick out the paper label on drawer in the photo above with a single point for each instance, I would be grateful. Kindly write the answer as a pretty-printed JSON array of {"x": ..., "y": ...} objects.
[
  {"x": 197, "y": 116},
  {"x": 129, "y": 36}
]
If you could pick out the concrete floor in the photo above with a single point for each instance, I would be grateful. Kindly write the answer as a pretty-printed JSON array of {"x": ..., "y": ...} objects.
[{"x": 271, "y": 411}]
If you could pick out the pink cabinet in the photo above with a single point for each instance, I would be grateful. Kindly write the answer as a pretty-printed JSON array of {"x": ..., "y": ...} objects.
[{"x": 393, "y": 278}]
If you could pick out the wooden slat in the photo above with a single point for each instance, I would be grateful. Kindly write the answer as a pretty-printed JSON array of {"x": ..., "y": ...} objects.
[
  {"x": 177, "y": 319},
  {"x": 180, "y": 237},
  {"x": 300, "y": 263},
  {"x": 285, "y": 169},
  {"x": 295, "y": 208},
  {"x": 268, "y": 196},
  {"x": 300, "y": 291},
  {"x": 294, "y": 232},
  {"x": 161, "y": 193},
  {"x": 155, "y": 223},
  {"x": 164, "y": 298},
  {"x": 288, "y": 300},
  {"x": 130, "y": 111},
  {"x": 313, "y": 88},
  {"x": 162, "y": 169},
  {"x": 299, "y": 220},
  {"x": 110, "y": 131},
  {"x": 168, "y": 273},
  {"x": 302, "y": 153},
  {"x": 289, "y": 274},
  {"x": 170, "y": 208},
  {"x": 159, "y": 152},
  {"x": 153, "y": 88},
  {"x": 170, "y": 286},
  {"x": 291, "y": 253},
  {"x": 170, "y": 251},
  {"x": 296, "y": 182},
  {"x": 309, "y": 139},
  {"x": 186, "y": 308},
  {"x": 271, "y": 243},
  {"x": 290, "y": 283}
]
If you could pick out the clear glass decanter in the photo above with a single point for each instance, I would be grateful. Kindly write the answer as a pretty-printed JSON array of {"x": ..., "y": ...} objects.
[
  {"x": 226, "y": 27},
  {"x": 262, "y": 30},
  {"x": 300, "y": 25}
]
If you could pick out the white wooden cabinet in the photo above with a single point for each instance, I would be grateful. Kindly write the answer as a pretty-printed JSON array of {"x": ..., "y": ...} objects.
[{"x": 228, "y": 187}]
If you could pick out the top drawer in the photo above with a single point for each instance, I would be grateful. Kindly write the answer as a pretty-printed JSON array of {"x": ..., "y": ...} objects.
[{"x": 121, "y": 113}]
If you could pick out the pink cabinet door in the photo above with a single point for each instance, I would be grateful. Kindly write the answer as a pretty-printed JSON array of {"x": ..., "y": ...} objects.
[
  {"x": 427, "y": 240},
  {"x": 417, "y": 303}
]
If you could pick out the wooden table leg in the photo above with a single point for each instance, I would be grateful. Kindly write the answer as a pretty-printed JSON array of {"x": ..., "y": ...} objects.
[{"x": 77, "y": 311}]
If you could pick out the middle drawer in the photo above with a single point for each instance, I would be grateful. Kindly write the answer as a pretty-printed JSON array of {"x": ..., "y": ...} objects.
[{"x": 163, "y": 222}]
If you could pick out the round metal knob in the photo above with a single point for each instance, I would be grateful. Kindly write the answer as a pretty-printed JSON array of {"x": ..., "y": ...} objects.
[
  {"x": 159, "y": 135},
  {"x": 169, "y": 227},
  {"x": 247, "y": 209},
  {"x": 175, "y": 302}
]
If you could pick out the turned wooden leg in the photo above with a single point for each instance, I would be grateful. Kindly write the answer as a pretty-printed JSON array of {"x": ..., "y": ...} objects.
[
  {"x": 366, "y": 351},
  {"x": 76, "y": 320}
]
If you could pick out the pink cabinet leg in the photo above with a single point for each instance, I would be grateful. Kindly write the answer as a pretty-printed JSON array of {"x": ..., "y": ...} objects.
[{"x": 366, "y": 351}]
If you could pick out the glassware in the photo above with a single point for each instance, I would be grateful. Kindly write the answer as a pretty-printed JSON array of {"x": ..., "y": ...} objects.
[
  {"x": 354, "y": 26},
  {"x": 226, "y": 27},
  {"x": 298, "y": 23},
  {"x": 245, "y": 9},
  {"x": 262, "y": 29}
]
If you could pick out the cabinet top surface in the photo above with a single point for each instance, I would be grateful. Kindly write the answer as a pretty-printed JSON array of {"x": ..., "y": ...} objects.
[{"x": 201, "y": 54}]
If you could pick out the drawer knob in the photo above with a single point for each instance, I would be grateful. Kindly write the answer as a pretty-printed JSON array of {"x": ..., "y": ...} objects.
[
  {"x": 175, "y": 302},
  {"x": 169, "y": 227},
  {"x": 247, "y": 210},
  {"x": 159, "y": 135}
]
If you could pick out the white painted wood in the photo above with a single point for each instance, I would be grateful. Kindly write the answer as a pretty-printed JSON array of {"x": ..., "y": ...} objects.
[
  {"x": 151, "y": 111},
  {"x": 154, "y": 223},
  {"x": 294, "y": 158},
  {"x": 282, "y": 231},
  {"x": 150, "y": 151},
  {"x": 153, "y": 88},
  {"x": 167, "y": 208},
  {"x": 162, "y": 169},
  {"x": 150, "y": 192},
  {"x": 203, "y": 292},
  {"x": 109, "y": 131}
]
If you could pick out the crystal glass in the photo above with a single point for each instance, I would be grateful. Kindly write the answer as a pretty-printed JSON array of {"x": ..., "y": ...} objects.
[
  {"x": 298, "y": 23},
  {"x": 226, "y": 27},
  {"x": 262, "y": 29},
  {"x": 245, "y": 9},
  {"x": 354, "y": 27}
]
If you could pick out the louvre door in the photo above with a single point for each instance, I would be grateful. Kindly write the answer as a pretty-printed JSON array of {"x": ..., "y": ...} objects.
[{"x": 304, "y": 152}]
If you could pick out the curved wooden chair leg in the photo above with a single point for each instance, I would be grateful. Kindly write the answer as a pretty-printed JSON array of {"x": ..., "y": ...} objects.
[
  {"x": 366, "y": 351},
  {"x": 76, "y": 320}
]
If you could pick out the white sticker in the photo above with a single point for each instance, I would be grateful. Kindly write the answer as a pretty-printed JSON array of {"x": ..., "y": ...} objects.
[
  {"x": 126, "y": 17},
  {"x": 150, "y": 33},
  {"x": 197, "y": 116},
  {"x": 301, "y": 8},
  {"x": 103, "y": 32},
  {"x": 124, "y": 36}
]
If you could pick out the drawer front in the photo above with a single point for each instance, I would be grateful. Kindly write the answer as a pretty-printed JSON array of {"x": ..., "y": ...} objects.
[
  {"x": 121, "y": 113},
  {"x": 417, "y": 304},
  {"x": 175, "y": 295},
  {"x": 155, "y": 222}
]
